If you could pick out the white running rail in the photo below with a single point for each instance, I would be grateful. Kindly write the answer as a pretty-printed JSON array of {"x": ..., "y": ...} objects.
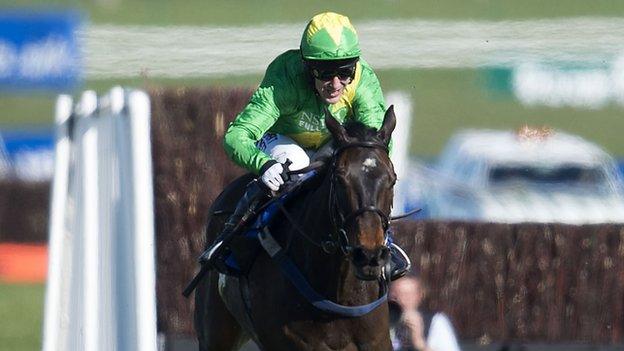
[
  {"x": 101, "y": 279},
  {"x": 209, "y": 51}
]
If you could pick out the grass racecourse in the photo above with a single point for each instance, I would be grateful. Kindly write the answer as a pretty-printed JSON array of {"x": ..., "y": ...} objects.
[
  {"x": 21, "y": 307},
  {"x": 444, "y": 99},
  {"x": 239, "y": 12}
]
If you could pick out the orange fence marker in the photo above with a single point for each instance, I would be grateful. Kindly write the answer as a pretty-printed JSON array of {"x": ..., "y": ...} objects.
[{"x": 23, "y": 263}]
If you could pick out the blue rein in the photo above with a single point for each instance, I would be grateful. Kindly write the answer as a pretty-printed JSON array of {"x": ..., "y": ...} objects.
[{"x": 288, "y": 268}]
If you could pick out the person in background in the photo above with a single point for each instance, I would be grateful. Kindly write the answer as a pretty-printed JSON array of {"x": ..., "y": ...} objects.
[{"x": 412, "y": 327}]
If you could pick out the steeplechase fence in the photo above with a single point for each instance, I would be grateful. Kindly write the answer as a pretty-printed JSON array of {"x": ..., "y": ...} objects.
[{"x": 499, "y": 283}]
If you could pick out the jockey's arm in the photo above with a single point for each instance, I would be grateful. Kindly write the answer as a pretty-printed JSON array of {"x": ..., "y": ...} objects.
[
  {"x": 262, "y": 111},
  {"x": 248, "y": 127}
]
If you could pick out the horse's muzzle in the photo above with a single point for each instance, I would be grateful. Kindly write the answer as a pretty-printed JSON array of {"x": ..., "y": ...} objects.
[{"x": 369, "y": 263}]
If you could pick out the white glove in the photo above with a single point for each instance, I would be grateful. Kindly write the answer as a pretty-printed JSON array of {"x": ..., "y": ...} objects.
[{"x": 272, "y": 177}]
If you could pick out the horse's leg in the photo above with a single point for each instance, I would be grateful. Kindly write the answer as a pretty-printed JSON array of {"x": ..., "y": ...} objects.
[{"x": 217, "y": 329}]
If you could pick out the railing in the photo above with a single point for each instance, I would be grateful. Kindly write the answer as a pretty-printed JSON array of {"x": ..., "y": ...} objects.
[{"x": 101, "y": 279}]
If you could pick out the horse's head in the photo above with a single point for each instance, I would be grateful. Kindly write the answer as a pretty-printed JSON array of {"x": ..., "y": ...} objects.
[{"x": 362, "y": 181}]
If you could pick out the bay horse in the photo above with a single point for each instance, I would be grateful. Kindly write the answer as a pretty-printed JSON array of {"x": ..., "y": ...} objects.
[{"x": 335, "y": 234}]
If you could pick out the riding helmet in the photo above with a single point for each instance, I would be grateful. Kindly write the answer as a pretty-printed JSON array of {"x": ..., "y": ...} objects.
[{"x": 329, "y": 36}]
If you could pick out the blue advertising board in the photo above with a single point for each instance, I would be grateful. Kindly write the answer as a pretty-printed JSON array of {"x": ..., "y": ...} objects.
[
  {"x": 27, "y": 154},
  {"x": 39, "y": 50}
]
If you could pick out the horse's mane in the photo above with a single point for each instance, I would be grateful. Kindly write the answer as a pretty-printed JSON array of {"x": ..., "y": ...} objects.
[
  {"x": 354, "y": 129},
  {"x": 361, "y": 132}
]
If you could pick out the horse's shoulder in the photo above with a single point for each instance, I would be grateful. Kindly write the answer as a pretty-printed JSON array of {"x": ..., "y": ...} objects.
[{"x": 228, "y": 198}]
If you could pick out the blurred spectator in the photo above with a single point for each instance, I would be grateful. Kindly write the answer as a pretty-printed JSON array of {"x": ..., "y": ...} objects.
[{"x": 412, "y": 327}]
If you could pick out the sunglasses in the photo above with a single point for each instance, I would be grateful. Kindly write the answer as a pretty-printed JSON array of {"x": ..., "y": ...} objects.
[{"x": 344, "y": 74}]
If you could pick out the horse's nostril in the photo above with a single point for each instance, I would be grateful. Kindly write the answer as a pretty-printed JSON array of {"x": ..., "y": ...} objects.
[
  {"x": 363, "y": 257},
  {"x": 360, "y": 258}
]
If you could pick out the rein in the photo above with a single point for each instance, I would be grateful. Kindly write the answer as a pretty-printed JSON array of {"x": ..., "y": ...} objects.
[
  {"x": 290, "y": 270},
  {"x": 338, "y": 238}
]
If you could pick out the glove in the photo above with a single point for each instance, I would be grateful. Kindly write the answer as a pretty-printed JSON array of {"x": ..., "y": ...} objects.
[{"x": 272, "y": 176}]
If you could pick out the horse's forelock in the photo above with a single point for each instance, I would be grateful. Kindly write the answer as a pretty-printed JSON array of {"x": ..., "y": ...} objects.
[{"x": 362, "y": 132}]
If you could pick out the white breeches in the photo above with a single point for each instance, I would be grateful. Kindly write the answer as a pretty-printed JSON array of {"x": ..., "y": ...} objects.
[{"x": 281, "y": 148}]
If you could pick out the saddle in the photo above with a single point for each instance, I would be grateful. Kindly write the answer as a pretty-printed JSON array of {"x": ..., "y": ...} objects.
[{"x": 244, "y": 247}]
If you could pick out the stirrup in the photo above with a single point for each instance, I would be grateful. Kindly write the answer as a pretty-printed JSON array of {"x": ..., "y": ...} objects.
[
  {"x": 400, "y": 263},
  {"x": 215, "y": 258}
]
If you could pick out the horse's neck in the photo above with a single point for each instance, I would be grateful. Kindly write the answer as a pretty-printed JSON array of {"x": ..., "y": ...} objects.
[{"x": 331, "y": 274}]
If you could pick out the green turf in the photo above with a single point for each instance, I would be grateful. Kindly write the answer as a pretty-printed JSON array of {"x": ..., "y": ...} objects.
[
  {"x": 21, "y": 312},
  {"x": 239, "y": 12}
]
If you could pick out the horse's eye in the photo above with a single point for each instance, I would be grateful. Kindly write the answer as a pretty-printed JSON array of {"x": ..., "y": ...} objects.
[
  {"x": 393, "y": 180},
  {"x": 342, "y": 181}
]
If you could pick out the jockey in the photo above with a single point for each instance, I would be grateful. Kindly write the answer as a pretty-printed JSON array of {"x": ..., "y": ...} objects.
[{"x": 284, "y": 119}]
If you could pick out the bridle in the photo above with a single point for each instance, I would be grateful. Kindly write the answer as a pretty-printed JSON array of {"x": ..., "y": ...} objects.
[
  {"x": 339, "y": 221},
  {"x": 337, "y": 238}
]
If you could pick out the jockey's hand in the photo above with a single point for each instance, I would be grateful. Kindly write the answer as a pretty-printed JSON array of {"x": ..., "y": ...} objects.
[{"x": 272, "y": 177}]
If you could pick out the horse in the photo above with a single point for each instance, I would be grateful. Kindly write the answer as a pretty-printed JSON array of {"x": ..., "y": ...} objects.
[{"x": 335, "y": 234}]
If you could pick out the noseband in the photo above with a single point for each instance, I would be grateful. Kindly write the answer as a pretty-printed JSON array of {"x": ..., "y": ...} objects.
[{"x": 338, "y": 220}]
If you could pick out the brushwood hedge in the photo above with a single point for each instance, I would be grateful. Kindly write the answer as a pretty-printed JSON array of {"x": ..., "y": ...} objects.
[{"x": 498, "y": 282}]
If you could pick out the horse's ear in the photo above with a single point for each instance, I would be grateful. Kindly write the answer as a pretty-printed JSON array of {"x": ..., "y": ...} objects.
[
  {"x": 336, "y": 129},
  {"x": 388, "y": 125}
]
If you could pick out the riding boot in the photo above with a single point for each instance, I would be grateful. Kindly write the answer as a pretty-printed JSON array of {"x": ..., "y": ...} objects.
[
  {"x": 399, "y": 262},
  {"x": 254, "y": 197}
]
